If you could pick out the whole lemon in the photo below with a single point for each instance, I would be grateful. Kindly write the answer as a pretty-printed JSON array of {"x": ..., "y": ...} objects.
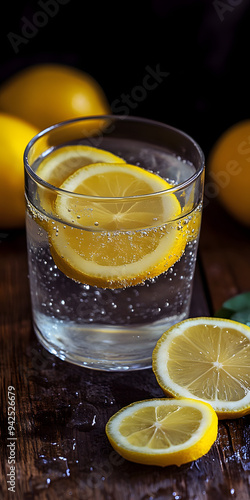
[
  {"x": 229, "y": 171},
  {"x": 14, "y": 136},
  {"x": 46, "y": 94}
]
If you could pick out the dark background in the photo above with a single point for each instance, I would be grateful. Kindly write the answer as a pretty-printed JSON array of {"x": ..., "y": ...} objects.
[{"x": 203, "y": 45}]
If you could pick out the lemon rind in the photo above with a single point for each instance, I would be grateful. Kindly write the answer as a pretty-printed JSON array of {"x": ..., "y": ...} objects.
[
  {"x": 195, "y": 447},
  {"x": 230, "y": 409}
]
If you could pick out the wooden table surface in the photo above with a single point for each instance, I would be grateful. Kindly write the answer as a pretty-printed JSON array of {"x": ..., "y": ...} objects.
[{"x": 60, "y": 449}]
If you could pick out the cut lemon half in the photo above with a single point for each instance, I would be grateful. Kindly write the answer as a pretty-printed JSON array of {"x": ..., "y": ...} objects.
[
  {"x": 63, "y": 162},
  {"x": 207, "y": 359},
  {"x": 163, "y": 431},
  {"x": 115, "y": 235}
]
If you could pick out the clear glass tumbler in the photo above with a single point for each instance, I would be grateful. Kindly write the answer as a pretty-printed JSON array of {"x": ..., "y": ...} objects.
[{"x": 110, "y": 271}]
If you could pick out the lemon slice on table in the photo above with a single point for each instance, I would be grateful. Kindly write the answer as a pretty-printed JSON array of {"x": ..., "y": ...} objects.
[
  {"x": 207, "y": 359},
  {"x": 163, "y": 431},
  {"x": 125, "y": 241},
  {"x": 64, "y": 161}
]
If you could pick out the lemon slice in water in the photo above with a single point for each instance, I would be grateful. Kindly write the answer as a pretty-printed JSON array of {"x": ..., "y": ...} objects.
[
  {"x": 127, "y": 237},
  {"x": 63, "y": 162}
]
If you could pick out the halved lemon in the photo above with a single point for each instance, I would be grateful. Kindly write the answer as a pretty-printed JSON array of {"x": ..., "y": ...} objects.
[
  {"x": 163, "y": 431},
  {"x": 206, "y": 359},
  {"x": 127, "y": 236}
]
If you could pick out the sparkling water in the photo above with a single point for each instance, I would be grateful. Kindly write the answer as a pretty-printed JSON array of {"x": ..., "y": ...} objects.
[{"x": 104, "y": 328}]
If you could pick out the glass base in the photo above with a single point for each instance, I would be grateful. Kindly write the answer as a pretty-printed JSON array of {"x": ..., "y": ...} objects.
[
  {"x": 102, "y": 348},
  {"x": 94, "y": 364}
]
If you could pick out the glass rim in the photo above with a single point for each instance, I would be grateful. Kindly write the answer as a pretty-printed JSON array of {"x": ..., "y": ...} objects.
[{"x": 178, "y": 187}]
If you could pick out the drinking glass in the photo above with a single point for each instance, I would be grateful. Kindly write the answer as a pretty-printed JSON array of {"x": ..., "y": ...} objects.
[{"x": 102, "y": 297}]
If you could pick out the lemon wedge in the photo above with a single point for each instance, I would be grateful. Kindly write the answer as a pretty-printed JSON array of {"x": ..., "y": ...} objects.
[
  {"x": 127, "y": 237},
  {"x": 206, "y": 359},
  {"x": 163, "y": 431}
]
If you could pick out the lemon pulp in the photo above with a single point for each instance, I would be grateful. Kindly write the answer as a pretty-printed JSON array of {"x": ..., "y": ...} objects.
[
  {"x": 63, "y": 162},
  {"x": 163, "y": 431},
  {"x": 127, "y": 236},
  {"x": 209, "y": 359}
]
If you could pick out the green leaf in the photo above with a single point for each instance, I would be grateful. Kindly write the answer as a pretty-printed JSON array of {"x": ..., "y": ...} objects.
[
  {"x": 237, "y": 308},
  {"x": 238, "y": 303},
  {"x": 242, "y": 317},
  {"x": 224, "y": 313}
]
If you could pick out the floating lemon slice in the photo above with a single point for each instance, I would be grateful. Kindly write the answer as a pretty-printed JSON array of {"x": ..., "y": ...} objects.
[
  {"x": 128, "y": 236},
  {"x": 163, "y": 431},
  {"x": 63, "y": 162},
  {"x": 207, "y": 359}
]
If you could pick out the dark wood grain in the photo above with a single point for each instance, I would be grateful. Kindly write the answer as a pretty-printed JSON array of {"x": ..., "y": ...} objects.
[
  {"x": 61, "y": 409},
  {"x": 225, "y": 255}
]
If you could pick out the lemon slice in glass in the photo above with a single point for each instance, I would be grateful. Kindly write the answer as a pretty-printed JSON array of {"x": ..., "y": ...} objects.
[
  {"x": 207, "y": 359},
  {"x": 163, "y": 431},
  {"x": 114, "y": 235},
  {"x": 63, "y": 162}
]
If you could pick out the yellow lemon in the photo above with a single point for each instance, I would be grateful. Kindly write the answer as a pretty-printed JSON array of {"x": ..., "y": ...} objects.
[
  {"x": 14, "y": 136},
  {"x": 163, "y": 431},
  {"x": 46, "y": 94},
  {"x": 63, "y": 162},
  {"x": 127, "y": 237},
  {"x": 229, "y": 171},
  {"x": 207, "y": 359}
]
